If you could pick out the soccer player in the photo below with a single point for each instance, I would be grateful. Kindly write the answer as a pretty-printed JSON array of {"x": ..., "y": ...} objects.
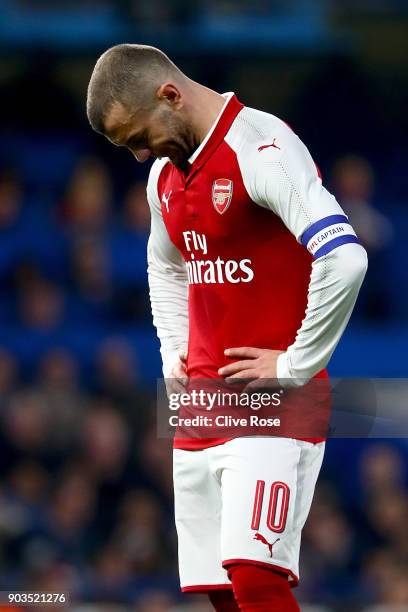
[{"x": 254, "y": 271}]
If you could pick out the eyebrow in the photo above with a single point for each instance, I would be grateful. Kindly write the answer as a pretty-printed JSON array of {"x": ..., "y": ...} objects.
[
  {"x": 111, "y": 138},
  {"x": 113, "y": 135}
]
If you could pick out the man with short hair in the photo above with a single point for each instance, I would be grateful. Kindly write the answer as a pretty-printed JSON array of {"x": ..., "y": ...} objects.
[{"x": 254, "y": 271}]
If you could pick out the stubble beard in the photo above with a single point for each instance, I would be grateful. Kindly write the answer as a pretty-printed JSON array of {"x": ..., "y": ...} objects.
[{"x": 182, "y": 143}]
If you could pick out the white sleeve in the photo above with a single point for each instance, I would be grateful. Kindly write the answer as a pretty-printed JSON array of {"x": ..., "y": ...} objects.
[
  {"x": 168, "y": 282},
  {"x": 284, "y": 179}
]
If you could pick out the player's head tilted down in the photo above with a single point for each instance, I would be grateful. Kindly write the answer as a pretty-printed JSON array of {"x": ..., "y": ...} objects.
[{"x": 139, "y": 99}]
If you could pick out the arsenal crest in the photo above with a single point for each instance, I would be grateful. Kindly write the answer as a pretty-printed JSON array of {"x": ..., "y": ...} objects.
[{"x": 222, "y": 194}]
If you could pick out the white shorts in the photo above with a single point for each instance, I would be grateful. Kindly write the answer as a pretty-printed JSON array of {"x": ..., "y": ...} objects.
[{"x": 245, "y": 500}]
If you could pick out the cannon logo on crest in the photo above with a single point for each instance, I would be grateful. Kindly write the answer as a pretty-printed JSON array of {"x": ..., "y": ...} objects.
[{"x": 222, "y": 194}]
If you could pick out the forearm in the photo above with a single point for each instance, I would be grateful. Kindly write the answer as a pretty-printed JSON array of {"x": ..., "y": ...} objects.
[
  {"x": 168, "y": 283},
  {"x": 168, "y": 298},
  {"x": 334, "y": 285}
]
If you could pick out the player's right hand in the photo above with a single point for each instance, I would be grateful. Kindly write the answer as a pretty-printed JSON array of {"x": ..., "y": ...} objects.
[{"x": 177, "y": 381}]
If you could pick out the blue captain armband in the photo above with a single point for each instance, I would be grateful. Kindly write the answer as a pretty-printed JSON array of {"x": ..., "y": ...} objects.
[{"x": 327, "y": 234}]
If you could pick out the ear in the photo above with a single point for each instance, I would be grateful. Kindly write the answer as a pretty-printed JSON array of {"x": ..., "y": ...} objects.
[{"x": 170, "y": 93}]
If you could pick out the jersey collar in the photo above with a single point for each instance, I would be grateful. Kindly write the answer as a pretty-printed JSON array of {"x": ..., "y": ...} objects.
[{"x": 217, "y": 132}]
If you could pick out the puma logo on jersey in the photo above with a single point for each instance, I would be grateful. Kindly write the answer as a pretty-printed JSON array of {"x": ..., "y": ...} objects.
[
  {"x": 274, "y": 145},
  {"x": 261, "y": 538},
  {"x": 165, "y": 200}
]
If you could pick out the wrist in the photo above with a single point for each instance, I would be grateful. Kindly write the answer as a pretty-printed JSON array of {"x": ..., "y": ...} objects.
[
  {"x": 170, "y": 360},
  {"x": 285, "y": 375}
]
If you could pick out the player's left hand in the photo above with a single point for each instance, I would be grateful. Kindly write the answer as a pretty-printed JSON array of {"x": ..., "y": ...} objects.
[{"x": 253, "y": 364}]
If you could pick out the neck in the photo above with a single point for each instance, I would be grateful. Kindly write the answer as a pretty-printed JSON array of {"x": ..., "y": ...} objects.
[{"x": 205, "y": 106}]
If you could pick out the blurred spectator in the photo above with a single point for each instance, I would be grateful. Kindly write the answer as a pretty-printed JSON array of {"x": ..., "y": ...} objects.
[
  {"x": 58, "y": 383},
  {"x": 155, "y": 601},
  {"x": 386, "y": 579},
  {"x": 58, "y": 372},
  {"x": 382, "y": 470},
  {"x": 136, "y": 211},
  {"x": 154, "y": 457},
  {"x": 8, "y": 374},
  {"x": 112, "y": 576},
  {"x": 29, "y": 483},
  {"x": 105, "y": 441},
  {"x": 13, "y": 231},
  {"x": 387, "y": 514},
  {"x": 60, "y": 578},
  {"x": 90, "y": 269},
  {"x": 88, "y": 198},
  {"x": 90, "y": 301},
  {"x": 329, "y": 543},
  {"x": 22, "y": 505},
  {"x": 10, "y": 199},
  {"x": 41, "y": 305},
  {"x": 117, "y": 367},
  {"x": 73, "y": 506},
  {"x": 129, "y": 254},
  {"x": 118, "y": 377},
  {"x": 140, "y": 532},
  {"x": 353, "y": 180},
  {"x": 26, "y": 423},
  {"x": 354, "y": 184}
]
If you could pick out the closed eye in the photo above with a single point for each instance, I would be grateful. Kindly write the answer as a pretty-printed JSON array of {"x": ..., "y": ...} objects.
[{"x": 136, "y": 141}]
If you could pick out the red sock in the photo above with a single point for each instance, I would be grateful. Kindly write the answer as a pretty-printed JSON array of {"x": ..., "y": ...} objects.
[
  {"x": 260, "y": 589},
  {"x": 223, "y": 601}
]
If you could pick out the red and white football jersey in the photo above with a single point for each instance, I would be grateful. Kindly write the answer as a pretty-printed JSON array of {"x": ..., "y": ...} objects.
[{"x": 249, "y": 249}]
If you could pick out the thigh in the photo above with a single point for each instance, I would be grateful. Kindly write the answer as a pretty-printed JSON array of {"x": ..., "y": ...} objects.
[
  {"x": 267, "y": 490},
  {"x": 197, "y": 497}
]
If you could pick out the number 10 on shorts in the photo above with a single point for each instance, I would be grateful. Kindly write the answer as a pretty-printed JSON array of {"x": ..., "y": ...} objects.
[{"x": 277, "y": 508}]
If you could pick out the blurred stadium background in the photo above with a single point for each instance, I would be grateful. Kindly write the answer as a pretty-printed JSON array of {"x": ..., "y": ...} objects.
[{"x": 85, "y": 486}]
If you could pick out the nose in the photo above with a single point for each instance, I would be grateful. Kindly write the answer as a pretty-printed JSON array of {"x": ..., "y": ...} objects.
[{"x": 142, "y": 155}]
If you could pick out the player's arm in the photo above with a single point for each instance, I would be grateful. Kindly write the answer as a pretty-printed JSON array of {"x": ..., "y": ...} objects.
[
  {"x": 168, "y": 286},
  {"x": 286, "y": 181}
]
